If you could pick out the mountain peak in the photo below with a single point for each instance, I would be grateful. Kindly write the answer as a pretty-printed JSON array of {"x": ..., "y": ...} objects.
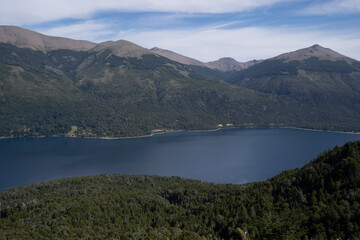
[
  {"x": 226, "y": 64},
  {"x": 316, "y": 46},
  {"x": 120, "y": 44},
  {"x": 229, "y": 64},
  {"x": 122, "y": 48},
  {"x": 156, "y": 49},
  {"x": 314, "y": 51},
  {"x": 227, "y": 59}
]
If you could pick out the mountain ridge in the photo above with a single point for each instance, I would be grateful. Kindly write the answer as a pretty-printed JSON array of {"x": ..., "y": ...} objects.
[
  {"x": 25, "y": 38},
  {"x": 177, "y": 57},
  {"x": 225, "y": 64},
  {"x": 22, "y": 37},
  {"x": 121, "y": 48}
]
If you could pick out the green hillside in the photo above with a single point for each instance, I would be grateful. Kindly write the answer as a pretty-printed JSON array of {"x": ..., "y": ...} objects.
[{"x": 319, "y": 201}]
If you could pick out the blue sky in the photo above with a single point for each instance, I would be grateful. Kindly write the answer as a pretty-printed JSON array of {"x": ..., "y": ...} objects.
[{"x": 202, "y": 29}]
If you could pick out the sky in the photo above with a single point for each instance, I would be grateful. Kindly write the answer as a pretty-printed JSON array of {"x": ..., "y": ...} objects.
[{"x": 202, "y": 29}]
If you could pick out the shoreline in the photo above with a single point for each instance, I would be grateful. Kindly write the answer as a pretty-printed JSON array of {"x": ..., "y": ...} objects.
[
  {"x": 174, "y": 131},
  {"x": 319, "y": 130}
]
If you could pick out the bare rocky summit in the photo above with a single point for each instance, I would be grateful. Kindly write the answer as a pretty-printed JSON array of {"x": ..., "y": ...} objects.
[
  {"x": 177, "y": 57},
  {"x": 24, "y": 38},
  {"x": 229, "y": 64},
  {"x": 313, "y": 51},
  {"x": 122, "y": 48}
]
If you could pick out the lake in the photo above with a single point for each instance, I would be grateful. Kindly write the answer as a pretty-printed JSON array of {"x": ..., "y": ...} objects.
[{"x": 223, "y": 156}]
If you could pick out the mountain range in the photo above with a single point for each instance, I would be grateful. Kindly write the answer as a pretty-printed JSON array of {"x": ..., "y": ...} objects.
[{"x": 51, "y": 86}]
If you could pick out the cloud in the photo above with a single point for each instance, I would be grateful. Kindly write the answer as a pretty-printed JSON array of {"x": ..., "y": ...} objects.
[
  {"x": 20, "y": 12},
  {"x": 87, "y": 30},
  {"x": 333, "y": 7}
]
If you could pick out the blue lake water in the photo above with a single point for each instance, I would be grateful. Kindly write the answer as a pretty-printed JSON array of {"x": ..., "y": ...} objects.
[{"x": 224, "y": 156}]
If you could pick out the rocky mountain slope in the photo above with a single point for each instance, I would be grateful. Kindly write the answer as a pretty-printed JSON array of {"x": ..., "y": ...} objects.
[
  {"x": 229, "y": 64},
  {"x": 177, "y": 57},
  {"x": 24, "y": 38}
]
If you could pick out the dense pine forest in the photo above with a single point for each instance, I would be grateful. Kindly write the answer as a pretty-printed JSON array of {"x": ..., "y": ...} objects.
[{"x": 319, "y": 201}]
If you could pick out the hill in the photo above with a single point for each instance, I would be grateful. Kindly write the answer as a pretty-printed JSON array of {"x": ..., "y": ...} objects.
[{"x": 318, "y": 201}]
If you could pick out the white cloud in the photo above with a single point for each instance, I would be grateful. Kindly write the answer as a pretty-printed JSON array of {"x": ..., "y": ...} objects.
[
  {"x": 333, "y": 7},
  {"x": 20, "y": 12},
  {"x": 88, "y": 30}
]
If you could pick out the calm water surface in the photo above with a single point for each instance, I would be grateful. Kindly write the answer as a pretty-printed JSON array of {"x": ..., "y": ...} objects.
[{"x": 224, "y": 156}]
